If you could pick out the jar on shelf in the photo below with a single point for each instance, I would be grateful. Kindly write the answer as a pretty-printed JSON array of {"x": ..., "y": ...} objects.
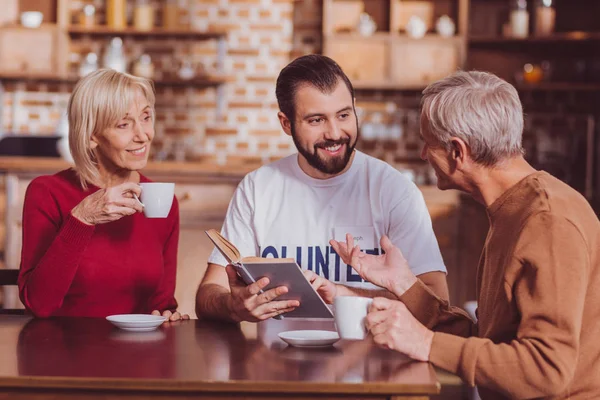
[
  {"x": 171, "y": 14},
  {"x": 533, "y": 74},
  {"x": 87, "y": 17},
  {"x": 519, "y": 19},
  {"x": 143, "y": 15},
  {"x": 88, "y": 65},
  {"x": 116, "y": 14},
  {"x": 144, "y": 67},
  {"x": 545, "y": 17},
  {"x": 114, "y": 57}
]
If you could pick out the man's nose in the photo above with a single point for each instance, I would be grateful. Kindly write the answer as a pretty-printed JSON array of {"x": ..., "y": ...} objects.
[{"x": 334, "y": 132}]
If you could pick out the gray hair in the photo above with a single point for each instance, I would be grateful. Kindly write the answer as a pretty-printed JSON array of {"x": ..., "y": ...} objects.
[{"x": 479, "y": 108}]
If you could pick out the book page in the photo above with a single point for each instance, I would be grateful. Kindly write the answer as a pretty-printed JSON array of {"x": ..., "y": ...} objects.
[{"x": 228, "y": 250}]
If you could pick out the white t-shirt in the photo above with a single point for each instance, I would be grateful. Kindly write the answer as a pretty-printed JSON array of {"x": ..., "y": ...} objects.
[{"x": 279, "y": 211}]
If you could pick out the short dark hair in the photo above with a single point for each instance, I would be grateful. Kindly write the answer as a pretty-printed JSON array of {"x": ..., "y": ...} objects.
[{"x": 314, "y": 69}]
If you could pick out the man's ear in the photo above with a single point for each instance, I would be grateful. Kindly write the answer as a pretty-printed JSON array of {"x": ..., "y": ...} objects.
[
  {"x": 286, "y": 124},
  {"x": 459, "y": 152}
]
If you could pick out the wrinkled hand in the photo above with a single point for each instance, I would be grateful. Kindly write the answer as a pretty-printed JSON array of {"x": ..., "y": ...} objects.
[
  {"x": 326, "y": 289},
  {"x": 110, "y": 204},
  {"x": 389, "y": 270},
  {"x": 395, "y": 328},
  {"x": 248, "y": 304},
  {"x": 176, "y": 316}
]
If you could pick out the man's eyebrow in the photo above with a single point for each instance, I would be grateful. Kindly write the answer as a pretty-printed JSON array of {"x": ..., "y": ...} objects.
[
  {"x": 312, "y": 115},
  {"x": 306, "y": 116},
  {"x": 347, "y": 108}
]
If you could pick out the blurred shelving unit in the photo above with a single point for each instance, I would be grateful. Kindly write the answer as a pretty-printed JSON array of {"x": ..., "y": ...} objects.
[
  {"x": 557, "y": 74},
  {"x": 390, "y": 58},
  {"x": 49, "y": 64}
]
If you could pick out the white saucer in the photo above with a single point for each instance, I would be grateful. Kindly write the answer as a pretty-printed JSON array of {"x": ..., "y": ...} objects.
[
  {"x": 137, "y": 322},
  {"x": 309, "y": 338}
]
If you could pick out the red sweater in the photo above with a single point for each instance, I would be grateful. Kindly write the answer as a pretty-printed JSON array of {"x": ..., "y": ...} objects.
[{"x": 69, "y": 268}]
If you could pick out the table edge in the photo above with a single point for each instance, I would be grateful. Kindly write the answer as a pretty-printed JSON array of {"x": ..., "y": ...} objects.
[{"x": 171, "y": 385}]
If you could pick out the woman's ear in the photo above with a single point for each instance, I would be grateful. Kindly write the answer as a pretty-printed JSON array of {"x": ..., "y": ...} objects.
[
  {"x": 286, "y": 124},
  {"x": 93, "y": 142}
]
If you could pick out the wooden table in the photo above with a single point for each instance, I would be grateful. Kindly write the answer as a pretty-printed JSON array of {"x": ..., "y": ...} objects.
[{"x": 85, "y": 358}]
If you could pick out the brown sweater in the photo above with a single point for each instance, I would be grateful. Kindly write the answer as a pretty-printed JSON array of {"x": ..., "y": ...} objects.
[{"x": 538, "y": 285}]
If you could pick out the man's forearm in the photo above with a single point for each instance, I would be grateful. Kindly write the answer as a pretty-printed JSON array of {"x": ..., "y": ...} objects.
[
  {"x": 343, "y": 290},
  {"x": 212, "y": 302}
]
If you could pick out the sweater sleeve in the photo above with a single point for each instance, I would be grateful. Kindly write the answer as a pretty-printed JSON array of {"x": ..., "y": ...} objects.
[
  {"x": 51, "y": 251},
  {"x": 164, "y": 297},
  {"x": 549, "y": 292},
  {"x": 436, "y": 313}
]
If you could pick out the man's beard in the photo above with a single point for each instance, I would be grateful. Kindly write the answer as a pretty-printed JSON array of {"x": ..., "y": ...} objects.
[{"x": 333, "y": 165}]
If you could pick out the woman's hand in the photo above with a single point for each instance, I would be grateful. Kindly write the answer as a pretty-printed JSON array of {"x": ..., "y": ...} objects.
[
  {"x": 176, "y": 316},
  {"x": 389, "y": 270},
  {"x": 108, "y": 205}
]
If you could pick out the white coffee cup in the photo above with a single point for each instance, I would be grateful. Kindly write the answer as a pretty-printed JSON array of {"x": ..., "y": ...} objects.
[
  {"x": 350, "y": 313},
  {"x": 157, "y": 198}
]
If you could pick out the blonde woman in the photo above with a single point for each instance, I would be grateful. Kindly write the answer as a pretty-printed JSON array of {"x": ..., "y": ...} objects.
[{"x": 87, "y": 249}]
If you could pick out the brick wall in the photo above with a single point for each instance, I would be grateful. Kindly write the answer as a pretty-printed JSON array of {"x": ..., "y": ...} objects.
[
  {"x": 259, "y": 44},
  {"x": 264, "y": 35}
]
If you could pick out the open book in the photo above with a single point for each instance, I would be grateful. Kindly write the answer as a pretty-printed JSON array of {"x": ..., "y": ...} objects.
[{"x": 281, "y": 272}]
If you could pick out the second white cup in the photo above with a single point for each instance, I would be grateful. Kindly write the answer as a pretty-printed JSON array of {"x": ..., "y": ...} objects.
[
  {"x": 157, "y": 198},
  {"x": 350, "y": 313}
]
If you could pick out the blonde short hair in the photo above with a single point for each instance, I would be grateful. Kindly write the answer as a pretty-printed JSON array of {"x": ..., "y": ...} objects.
[
  {"x": 479, "y": 108},
  {"x": 99, "y": 101}
]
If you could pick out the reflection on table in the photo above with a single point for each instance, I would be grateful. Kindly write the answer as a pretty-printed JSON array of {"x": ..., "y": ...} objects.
[{"x": 86, "y": 357}]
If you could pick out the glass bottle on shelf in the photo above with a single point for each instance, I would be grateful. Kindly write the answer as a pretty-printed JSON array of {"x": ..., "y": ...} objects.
[
  {"x": 545, "y": 18},
  {"x": 116, "y": 14},
  {"x": 87, "y": 16},
  {"x": 143, "y": 15},
  {"x": 89, "y": 64},
  {"x": 144, "y": 67},
  {"x": 519, "y": 19},
  {"x": 114, "y": 57},
  {"x": 171, "y": 14}
]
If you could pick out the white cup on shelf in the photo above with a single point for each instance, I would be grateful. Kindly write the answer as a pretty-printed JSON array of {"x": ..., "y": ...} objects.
[{"x": 31, "y": 19}]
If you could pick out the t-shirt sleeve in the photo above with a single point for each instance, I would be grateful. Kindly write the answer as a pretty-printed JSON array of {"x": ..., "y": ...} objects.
[
  {"x": 238, "y": 227},
  {"x": 411, "y": 231}
]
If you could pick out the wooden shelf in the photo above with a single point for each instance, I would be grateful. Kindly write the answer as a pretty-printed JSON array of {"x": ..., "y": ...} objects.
[
  {"x": 385, "y": 85},
  {"x": 36, "y": 78},
  {"x": 555, "y": 38},
  {"x": 560, "y": 86},
  {"x": 196, "y": 82},
  {"x": 155, "y": 33},
  {"x": 392, "y": 36}
]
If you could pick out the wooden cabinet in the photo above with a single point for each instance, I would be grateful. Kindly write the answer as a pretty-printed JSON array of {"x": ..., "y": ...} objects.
[
  {"x": 390, "y": 58},
  {"x": 376, "y": 50},
  {"x": 49, "y": 57}
]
